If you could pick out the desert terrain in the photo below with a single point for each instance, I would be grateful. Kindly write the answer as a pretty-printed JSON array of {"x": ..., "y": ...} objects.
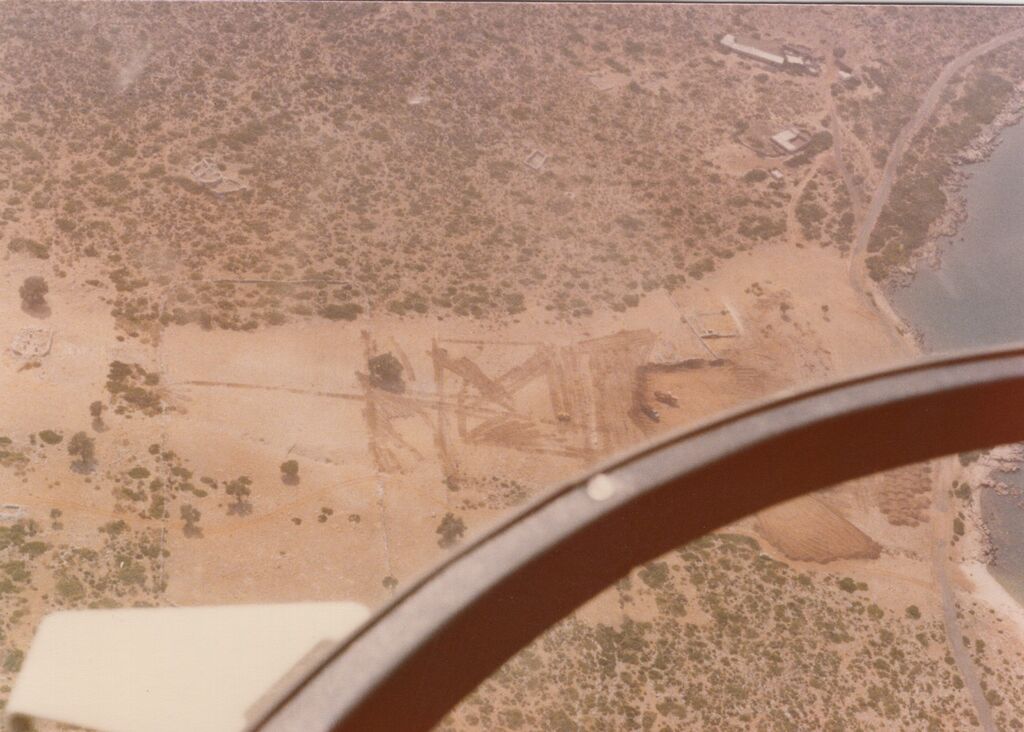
[{"x": 328, "y": 289}]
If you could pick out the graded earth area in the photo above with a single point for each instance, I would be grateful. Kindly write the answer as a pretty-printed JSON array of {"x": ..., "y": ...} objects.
[{"x": 296, "y": 298}]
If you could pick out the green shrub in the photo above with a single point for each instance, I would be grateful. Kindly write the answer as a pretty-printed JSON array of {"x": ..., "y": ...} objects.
[
  {"x": 69, "y": 588},
  {"x": 344, "y": 311},
  {"x": 451, "y": 529},
  {"x": 290, "y": 472},
  {"x": 50, "y": 437},
  {"x": 655, "y": 574},
  {"x": 33, "y": 292},
  {"x": 386, "y": 373},
  {"x": 13, "y": 660}
]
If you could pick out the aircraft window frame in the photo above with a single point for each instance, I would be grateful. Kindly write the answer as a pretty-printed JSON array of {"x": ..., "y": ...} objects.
[{"x": 416, "y": 658}]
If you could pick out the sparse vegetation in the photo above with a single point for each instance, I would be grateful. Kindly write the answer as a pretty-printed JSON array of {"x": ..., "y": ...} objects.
[
  {"x": 13, "y": 660},
  {"x": 861, "y": 660},
  {"x": 919, "y": 200},
  {"x": 134, "y": 389},
  {"x": 28, "y": 246},
  {"x": 309, "y": 188},
  {"x": 343, "y": 311}
]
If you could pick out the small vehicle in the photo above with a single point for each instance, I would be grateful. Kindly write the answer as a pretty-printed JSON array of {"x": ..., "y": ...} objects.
[
  {"x": 665, "y": 398},
  {"x": 650, "y": 412}
]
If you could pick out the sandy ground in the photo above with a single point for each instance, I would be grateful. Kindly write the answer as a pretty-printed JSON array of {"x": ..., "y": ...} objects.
[
  {"x": 986, "y": 588},
  {"x": 532, "y": 402},
  {"x": 254, "y": 400},
  {"x": 244, "y": 402}
]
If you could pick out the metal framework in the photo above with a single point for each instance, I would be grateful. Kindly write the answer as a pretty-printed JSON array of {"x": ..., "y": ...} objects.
[{"x": 447, "y": 632}]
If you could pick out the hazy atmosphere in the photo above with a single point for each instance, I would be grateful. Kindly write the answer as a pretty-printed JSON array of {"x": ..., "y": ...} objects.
[{"x": 297, "y": 298}]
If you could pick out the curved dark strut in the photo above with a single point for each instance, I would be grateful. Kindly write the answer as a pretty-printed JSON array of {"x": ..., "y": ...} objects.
[{"x": 447, "y": 632}]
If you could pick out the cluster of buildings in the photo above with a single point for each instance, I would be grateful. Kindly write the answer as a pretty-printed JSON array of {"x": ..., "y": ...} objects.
[
  {"x": 791, "y": 57},
  {"x": 788, "y": 57}
]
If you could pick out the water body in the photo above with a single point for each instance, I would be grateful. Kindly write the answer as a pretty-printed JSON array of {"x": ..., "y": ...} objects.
[{"x": 976, "y": 298}]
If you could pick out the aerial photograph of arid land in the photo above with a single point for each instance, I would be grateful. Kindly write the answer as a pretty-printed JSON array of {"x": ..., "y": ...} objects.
[{"x": 296, "y": 299}]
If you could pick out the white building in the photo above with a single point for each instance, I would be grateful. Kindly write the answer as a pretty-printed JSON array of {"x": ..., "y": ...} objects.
[
  {"x": 784, "y": 56},
  {"x": 12, "y": 512},
  {"x": 791, "y": 140},
  {"x": 733, "y": 44}
]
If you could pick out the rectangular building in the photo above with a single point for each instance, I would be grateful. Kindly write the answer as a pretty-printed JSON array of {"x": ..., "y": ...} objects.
[
  {"x": 746, "y": 49},
  {"x": 791, "y": 140}
]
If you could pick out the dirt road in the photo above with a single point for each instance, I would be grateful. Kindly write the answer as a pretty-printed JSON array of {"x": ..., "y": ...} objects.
[
  {"x": 942, "y": 523},
  {"x": 861, "y": 283},
  {"x": 839, "y": 143},
  {"x": 931, "y": 99}
]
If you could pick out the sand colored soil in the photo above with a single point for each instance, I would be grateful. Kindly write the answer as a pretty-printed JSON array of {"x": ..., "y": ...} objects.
[
  {"x": 808, "y": 530},
  {"x": 555, "y": 231}
]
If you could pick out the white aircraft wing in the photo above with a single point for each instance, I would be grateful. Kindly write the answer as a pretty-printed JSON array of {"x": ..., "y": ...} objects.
[{"x": 171, "y": 669}]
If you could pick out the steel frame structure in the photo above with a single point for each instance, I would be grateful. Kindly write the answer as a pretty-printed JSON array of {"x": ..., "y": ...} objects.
[{"x": 449, "y": 630}]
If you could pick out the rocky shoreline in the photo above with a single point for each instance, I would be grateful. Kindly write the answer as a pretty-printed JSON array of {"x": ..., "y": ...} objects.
[
  {"x": 978, "y": 151},
  {"x": 987, "y": 472},
  {"x": 982, "y": 475}
]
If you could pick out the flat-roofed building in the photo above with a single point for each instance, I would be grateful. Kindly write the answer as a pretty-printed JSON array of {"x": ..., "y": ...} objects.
[
  {"x": 791, "y": 139},
  {"x": 791, "y": 57},
  {"x": 745, "y": 48}
]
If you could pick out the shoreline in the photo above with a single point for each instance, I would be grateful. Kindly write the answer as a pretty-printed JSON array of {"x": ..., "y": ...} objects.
[
  {"x": 979, "y": 150},
  {"x": 977, "y": 553},
  {"x": 976, "y": 565},
  {"x": 992, "y": 592}
]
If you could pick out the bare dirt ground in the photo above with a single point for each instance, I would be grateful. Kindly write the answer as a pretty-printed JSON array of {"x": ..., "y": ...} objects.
[{"x": 440, "y": 290}]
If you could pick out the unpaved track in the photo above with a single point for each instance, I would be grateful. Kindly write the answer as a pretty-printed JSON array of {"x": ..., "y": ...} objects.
[
  {"x": 899, "y": 148},
  {"x": 942, "y": 522},
  {"x": 861, "y": 283}
]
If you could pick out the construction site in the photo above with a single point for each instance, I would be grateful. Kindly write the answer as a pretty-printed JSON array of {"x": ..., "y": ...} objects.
[{"x": 283, "y": 323}]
